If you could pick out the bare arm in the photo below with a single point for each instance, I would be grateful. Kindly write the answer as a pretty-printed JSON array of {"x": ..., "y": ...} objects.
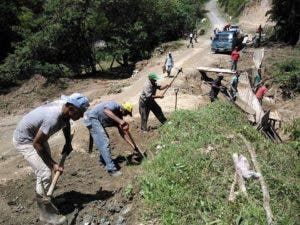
[
  {"x": 44, "y": 154},
  {"x": 122, "y": 124},
  {"x": 161, "y": 88},
  {"x": 67, "y": 134}
]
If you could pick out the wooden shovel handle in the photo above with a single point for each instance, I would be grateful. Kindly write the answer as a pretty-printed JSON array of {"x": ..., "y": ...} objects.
[
  {"x": 56, "y": 176},
  {"x": 179, "y": 71}
]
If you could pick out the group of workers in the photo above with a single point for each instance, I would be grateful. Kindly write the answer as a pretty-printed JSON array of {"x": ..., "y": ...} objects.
[
  {"x": 31, "y": 135},
  {"x": 260, "y": 88}
]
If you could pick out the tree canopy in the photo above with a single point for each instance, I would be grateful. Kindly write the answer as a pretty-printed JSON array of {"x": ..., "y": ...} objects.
[
  {"x": 59, "y": 37},
  {"x": 286, "y": 15}
]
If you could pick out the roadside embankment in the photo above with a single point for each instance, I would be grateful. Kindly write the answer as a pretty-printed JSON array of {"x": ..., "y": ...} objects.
[{"x": 188, "y": 182}]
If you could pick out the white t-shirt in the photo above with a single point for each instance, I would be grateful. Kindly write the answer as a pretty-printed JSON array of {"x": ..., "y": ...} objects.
[{"x": 46, "y": 118}]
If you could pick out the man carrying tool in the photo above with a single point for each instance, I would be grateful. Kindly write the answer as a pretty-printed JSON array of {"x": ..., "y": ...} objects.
[
  {"x": 147, "y": 101},
  {"x": 109, "y": 114},
  {"x": 216, "y": 86},
  {"x": 31, "y": 139},
  {"x": 169, "y": 63}
]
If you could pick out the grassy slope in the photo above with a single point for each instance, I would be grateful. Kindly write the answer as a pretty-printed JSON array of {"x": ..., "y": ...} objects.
[{"x": 186, "y": 184}]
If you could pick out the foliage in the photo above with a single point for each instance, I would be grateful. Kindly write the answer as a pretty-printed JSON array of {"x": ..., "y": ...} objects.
[
  {"x": 233, "y": 7},
  {"x": 285, "y": 69},
  {"x": 56, "y": 36},
  {"x": 286, "y": 15},
  {"x": 8, "y": 15},
  {"x": 188, "y": 181}
]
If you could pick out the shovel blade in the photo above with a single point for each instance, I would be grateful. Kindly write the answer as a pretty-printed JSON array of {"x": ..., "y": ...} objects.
[{"x": 49, "y": 213}]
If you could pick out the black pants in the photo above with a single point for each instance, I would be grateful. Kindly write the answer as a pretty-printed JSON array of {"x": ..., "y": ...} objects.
[
  {"x": 145, "y": 107},
  {"x": 213, "y": 94}
]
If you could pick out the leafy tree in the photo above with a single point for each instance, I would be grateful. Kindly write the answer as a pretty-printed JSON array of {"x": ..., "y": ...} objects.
[
  {"x": 286, "y": 15},
  {"x": 8, "y": 19}
]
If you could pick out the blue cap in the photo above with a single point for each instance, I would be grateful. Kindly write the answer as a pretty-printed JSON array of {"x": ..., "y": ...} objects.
[{"x": 78, "y": 100}]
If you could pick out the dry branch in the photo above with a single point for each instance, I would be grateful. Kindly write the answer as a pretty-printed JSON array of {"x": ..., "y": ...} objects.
[
  {"x": 240, "y": 179},
  {"x": 266, "y": 195}
]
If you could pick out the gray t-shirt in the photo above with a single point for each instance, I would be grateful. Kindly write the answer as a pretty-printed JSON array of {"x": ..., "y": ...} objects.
[
  {"x": 46, "y": 118},
  {"x": 149, "y": 89},
  {"x": 98, "y": 113}
]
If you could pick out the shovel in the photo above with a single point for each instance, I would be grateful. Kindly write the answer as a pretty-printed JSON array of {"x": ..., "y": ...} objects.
[
  {"x": 136, "y": 148},
  {"x": 48, "y": 211},
  {"x": 57, "y": 175},
  {"x": 179, "y": 71}
]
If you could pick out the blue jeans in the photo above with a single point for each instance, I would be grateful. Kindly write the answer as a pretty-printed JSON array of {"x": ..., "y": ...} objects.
[
  {"x": 101, "y": 140},
  {"x": 234, "y": 65}
]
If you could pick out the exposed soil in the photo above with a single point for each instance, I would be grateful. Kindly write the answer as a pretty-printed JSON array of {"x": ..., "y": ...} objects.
[{"x": 90, "y": 194}]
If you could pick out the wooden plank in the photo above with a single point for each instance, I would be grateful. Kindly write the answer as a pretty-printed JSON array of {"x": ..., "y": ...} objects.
[{"x": 216, "y": 70}]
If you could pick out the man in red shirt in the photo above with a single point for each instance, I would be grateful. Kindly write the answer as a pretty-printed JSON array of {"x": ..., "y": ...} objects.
[
  {"x": 261, "y": 91},
  {"x": 234, "y": 57}
]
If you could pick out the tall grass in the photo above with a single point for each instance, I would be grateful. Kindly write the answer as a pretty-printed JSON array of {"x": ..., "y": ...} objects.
[{"x": 188, "y": 181}]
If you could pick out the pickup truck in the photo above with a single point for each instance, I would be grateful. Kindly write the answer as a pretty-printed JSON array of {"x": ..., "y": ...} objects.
[{"x": 225, "y": 41}]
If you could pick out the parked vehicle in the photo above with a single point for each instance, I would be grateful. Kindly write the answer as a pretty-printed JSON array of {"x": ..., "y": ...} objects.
[{"x": 225, "y": 41}]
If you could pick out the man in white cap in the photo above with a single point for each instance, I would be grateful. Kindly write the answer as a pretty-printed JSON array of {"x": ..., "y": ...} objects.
[
  {"x": 108, "y": 114},
  {"x": 31, "y": 139}
]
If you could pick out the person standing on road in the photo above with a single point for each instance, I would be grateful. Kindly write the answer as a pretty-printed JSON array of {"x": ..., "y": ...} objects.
[
  {"x": 216, "y": 86},
  {"x": 169, "y": 63},
  {"x": 108, "y": 114},
  {"x": 191, "y": 40},
  {"x": 31, "y": 136},
  {"x": 196, "y": 36},
  {"x": 235, "y": 55},
  {"x": 147, "y": 101},
  {"x": 259, "y": 32},
  {"x": 233, "y": 86}
]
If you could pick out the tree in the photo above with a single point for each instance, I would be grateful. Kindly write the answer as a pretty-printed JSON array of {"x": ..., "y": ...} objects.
[{"x": 286, "y": 15}]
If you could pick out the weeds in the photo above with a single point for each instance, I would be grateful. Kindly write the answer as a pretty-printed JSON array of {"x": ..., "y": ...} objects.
[{"x": 188, "y": 181}]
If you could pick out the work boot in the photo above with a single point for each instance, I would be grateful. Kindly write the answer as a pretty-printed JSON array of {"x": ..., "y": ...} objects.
[{"x": 48, "y": 212}]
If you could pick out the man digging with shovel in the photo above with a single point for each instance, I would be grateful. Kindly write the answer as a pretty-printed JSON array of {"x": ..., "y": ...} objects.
[
  {"x": 31, "y": 139},
  {"x": 109, "y": 114}
]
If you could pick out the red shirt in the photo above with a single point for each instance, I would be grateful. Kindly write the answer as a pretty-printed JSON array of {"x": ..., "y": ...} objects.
[
  {"x": 235, "y": 55},
  {"x": 260, "y": 92}
]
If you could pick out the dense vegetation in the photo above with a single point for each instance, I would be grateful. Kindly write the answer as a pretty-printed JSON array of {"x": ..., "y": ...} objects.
[
  {"x": 65, "y": 37},
  {"x": 284, "y": 69},
  {"x": 286, "y": 15},
  {"x": 233, "y": 7},
  {"x": 188, "y": 182}
]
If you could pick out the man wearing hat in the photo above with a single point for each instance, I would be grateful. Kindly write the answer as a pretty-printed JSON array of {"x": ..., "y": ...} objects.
[
  {"x": 31, "y": 139},
  {"x": 147, "y": 101},
  {"x": 108, "y": 114}
]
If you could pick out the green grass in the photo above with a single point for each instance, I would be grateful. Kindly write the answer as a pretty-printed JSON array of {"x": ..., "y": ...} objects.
[{"x": 187, "y": 184}]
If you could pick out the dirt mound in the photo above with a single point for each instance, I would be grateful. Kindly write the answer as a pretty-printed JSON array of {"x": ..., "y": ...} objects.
[{"x": 255, "y": 14}]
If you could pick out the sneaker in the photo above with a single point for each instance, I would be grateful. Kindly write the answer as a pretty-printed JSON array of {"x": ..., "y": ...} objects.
[{"x": 115, "y": 173}]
